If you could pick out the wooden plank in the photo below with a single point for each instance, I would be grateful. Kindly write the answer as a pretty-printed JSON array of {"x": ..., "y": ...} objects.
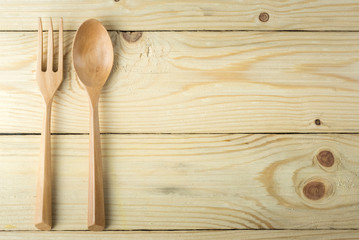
[
  {"x": 196, "y": 82},
  {"x": 188, "y": 235},
  {"x": 170, "y": 181},
  {"x": 141, "y": 15}
]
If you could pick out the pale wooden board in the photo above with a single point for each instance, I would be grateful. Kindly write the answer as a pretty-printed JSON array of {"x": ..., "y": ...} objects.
[
  {"x": 185, "y": 15},
  {"x": 179, "y": 181},
  {"x": 188, "y": 235},
  {"x": 196, "y": 82}
]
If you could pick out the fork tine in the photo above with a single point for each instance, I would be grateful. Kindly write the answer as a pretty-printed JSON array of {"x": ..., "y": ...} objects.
[
  {"x": 50, "y": 49},
  {"x": 61, "y": 43},
  {"x": 39, "y": 54}
]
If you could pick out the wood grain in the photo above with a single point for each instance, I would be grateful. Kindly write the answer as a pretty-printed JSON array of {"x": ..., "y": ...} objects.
[
  {"x": 196, "y": 82},
  {"x": 189, "y": 235},
  {"x": 141, "y": 15},
  {"x": 179, "y": 181}
]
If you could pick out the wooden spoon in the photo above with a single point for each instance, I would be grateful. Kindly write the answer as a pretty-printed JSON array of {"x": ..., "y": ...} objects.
[{"x": 93, "y": 60}]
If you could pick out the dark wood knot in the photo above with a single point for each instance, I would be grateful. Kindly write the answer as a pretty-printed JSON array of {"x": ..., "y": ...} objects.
[
  {"x": 314, "y": 190},
  {"x": 317, "y": 122},
  {"x": 326, "y": 158},
  {"x": 132, "y": 36},
  {"x": 264, "y": 17}
]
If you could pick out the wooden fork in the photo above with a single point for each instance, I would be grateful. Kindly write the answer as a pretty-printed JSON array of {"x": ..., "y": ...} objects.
[{"x": 48, "y": 81}]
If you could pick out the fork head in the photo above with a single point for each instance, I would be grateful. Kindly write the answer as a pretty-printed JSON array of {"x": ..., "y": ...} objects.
[{"x": 49, "y": 80}]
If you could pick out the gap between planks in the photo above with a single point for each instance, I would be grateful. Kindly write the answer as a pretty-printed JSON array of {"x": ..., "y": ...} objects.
[
  {"x": 191, "y": 230},
  {"x": 154, "y": 31},
  {"x": 212, "y": 234},
  {"x": 168, "y": 133}
]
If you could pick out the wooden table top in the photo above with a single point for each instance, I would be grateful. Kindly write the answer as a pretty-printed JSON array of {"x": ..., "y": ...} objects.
[{"x": 218, "y": 117}]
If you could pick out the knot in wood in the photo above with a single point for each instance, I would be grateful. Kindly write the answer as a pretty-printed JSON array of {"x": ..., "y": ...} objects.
[
  {"x": 132, "y": 36},
  {"x": 314, "y": 190},
  {"x": 264, "y": 17},
  {"x": 326, "y": 158}
]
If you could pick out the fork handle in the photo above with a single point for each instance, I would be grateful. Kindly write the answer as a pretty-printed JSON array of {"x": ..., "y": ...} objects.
[
  {"x": 43, "y": 215},
  {"x": 96, "y": 207}
]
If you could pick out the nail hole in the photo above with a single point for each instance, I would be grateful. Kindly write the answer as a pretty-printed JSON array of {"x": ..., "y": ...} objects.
[
  {"x": 264, "y": 17},
  {"x": 317, "y": 122},
  {"x": 116, "y": 0}
]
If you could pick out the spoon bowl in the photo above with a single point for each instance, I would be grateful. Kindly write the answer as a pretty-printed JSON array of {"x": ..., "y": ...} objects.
[{"x": 92, "y": 53}]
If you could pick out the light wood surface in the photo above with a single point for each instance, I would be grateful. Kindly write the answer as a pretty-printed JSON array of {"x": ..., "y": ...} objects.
[
  {"x": 180, "y": 181},
  {"x": 48, "y": 81},
  {"x": 186, "y": 15},
  {"x": 187, "y": 72},
  {"x": 189, "y": 235},
  {"x": 93, "y": 60},
  {"x": 196, "y": 82}
]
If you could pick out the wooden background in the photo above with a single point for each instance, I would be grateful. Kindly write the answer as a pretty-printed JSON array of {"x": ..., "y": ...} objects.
[{"x": 213, "y": 122}]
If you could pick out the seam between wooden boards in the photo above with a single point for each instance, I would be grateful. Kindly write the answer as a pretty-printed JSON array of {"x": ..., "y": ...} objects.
[
  {"x": 257, "y": 30},
  {"x": 199, "y": 133},
  {"x": 194, "y": 230}
]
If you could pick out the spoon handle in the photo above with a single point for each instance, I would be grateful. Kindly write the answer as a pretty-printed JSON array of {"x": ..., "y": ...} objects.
[
  {"x": 96, "y": 207},
  {"x": 43, "y": 217}
]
